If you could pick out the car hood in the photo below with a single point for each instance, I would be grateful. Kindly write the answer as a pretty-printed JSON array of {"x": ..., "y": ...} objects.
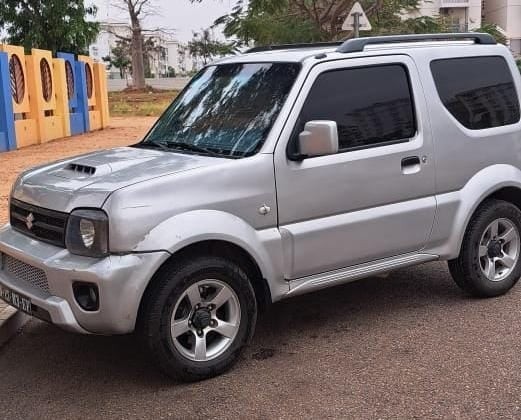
[{"x": 87, "y": 180}]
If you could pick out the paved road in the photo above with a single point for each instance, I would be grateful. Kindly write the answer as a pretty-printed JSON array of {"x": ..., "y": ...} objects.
[{"x": 409, "y": 346}]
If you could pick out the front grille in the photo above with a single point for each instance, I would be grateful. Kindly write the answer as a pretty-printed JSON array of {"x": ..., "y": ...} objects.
[
  {"x": 36, "y": 222},
  {"x": 24, "y": 272}
]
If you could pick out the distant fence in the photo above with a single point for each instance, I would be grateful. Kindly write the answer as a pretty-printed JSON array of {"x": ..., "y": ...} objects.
[
  {"x": 44, "y": 98},
  {"x": 171, "y": 83}
]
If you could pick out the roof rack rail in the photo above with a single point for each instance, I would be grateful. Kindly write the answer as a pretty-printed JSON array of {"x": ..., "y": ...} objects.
[
  {"x": 293, "y": 46},
  {"x": 358, "y": 44}
]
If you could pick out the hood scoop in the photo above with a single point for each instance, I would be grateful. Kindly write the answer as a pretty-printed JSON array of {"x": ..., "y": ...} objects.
[{"x": 82, "y": 169}]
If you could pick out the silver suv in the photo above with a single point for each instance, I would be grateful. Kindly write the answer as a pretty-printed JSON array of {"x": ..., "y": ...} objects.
[{"x": 278, "y": 172}]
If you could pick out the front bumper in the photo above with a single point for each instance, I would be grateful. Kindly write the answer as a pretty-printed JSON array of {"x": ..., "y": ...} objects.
[{"x": 121, "y": 282}]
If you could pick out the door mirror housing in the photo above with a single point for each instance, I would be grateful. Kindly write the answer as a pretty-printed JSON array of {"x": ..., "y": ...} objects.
[{"x": 319, "y": 138}]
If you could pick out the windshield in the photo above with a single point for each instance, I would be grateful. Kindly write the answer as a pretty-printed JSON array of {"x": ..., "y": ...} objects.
[{"x": 226, "y": 109}]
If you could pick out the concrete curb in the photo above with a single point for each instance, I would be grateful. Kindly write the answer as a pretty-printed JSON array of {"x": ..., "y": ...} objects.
[{"x": 10, "y": 322}]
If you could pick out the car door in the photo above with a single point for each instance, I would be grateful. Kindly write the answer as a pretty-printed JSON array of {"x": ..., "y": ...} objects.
[{"x": 373, "y": 199}]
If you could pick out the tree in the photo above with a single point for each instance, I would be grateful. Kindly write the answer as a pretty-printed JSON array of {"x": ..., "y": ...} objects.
[
  {"x": 56, "y": 25},
  {"x": 154, "y": 55},
  {"x": 183, "y": 53},
  {"x": 206, "y": 47},
  {"x": 137, "y": 11},
  {"x": 287, "y": 21},
  {"x": 493, "y": 30},
  {"x": 120, "y": 58},
  {"x": 267, "y": 22},
  {"x": 170, "y": 72},
  {"x": 388, "y": 19}
]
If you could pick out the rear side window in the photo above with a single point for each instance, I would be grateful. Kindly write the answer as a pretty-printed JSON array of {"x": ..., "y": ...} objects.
[
  {"x": 372, "y": 106},
  {"x": 478, "y": 91}
]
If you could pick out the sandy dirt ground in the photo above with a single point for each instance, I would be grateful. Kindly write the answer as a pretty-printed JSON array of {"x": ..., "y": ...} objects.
[{"x": 122, "y": 132}]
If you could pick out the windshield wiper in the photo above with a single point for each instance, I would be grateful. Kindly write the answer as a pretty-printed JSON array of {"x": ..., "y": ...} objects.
[
  {"x": 192, "y": 147},
  {"x": 152, "y": 144},
  {"x": 170, "y": 145}
]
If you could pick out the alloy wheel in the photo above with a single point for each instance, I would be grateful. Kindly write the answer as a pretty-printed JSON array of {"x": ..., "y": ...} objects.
[
  {"x": 499, "y": 249},
  {"x": 205, "y": 320}
]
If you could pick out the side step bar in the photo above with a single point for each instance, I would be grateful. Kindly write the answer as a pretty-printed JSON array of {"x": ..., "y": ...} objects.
[{"x": 347, "y": 275}]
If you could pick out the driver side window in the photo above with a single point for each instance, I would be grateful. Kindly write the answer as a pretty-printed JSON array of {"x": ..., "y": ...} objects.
[{"x": 372, "y": 106}]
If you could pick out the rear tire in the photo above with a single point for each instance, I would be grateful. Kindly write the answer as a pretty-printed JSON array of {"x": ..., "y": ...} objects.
[
  {"x": 489, "y": 263},
  {"x": 198, "y": 317}
]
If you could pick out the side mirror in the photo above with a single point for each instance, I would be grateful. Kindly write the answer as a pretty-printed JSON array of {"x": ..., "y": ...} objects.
[{"x": 319, "y": 138}]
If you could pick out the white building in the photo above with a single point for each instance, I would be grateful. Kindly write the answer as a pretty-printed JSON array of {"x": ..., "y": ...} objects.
[
  {"x": 179, "y": 58},
  {"x": 164, "y": 53},
  {"x": 507, "y": 15},
  {"x": 106, "y": 40},
  {"x": 465, "y": 15},
  {"x": 460, "y": 15}
]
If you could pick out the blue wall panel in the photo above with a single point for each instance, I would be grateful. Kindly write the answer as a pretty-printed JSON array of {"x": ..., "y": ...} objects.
[
  {"x": 83, "y": 100},
  {"x": 7, "y": 131},
  {"x": 78, "y": 104}
]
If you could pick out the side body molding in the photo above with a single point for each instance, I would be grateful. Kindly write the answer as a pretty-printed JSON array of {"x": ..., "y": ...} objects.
[
  {"x": 182, "y": 230},
  {"x": 456, "y": 208}
]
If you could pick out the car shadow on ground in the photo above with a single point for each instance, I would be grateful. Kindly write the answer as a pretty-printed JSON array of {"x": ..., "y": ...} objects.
[{"x": 48, "y": 352}]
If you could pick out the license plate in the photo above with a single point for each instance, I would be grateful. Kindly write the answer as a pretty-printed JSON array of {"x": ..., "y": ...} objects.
[{"x": 16, "y": 300}]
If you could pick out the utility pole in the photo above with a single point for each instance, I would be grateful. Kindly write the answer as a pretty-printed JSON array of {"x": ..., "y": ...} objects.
[{"x": 356, "y": 24}]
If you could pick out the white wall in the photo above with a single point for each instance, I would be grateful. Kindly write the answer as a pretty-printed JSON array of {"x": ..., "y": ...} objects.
[
  {"x": 173, "y": 83},
  {"x": 507, "y": 15},
  {"x": 495, "y": 11},
  {"x": 514, "y": 19}
]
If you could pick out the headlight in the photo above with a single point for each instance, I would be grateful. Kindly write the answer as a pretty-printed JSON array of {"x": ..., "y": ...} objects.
[{"x": 88, "y": 233}]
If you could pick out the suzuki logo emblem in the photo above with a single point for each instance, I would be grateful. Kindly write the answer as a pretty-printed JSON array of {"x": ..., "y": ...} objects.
[{"x": 29, "y": 221}]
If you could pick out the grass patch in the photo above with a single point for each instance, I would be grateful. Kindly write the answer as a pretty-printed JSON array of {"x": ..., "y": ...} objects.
[{"x": 140, "y": 104}]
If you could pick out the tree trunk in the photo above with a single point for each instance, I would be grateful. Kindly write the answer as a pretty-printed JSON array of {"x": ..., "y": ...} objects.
[{"x": 138, "y": 66}]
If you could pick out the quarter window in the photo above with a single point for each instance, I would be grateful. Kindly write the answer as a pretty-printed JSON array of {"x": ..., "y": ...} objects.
[
  {"x": 372, "y": 106},
  {"x": 478, "y": 91}
]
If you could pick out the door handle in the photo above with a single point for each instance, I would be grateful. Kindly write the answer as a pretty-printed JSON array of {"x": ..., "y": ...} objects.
[{"x": 411, "y": 165}]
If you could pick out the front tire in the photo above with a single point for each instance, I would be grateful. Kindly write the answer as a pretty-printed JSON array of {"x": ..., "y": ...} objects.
[
  {"x": 489, "y": 263},
  {"x": 198, "y": 317}
]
